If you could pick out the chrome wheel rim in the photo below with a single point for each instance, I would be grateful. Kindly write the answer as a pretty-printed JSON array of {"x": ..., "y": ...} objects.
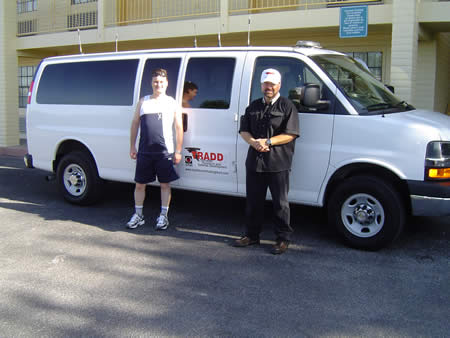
[
  {"x": 74, "y": 180},
  {"x": 363, "y": 215}
]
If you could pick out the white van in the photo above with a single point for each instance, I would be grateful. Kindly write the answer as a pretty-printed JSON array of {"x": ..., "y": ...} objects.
[{"x": 368, "y": 157}]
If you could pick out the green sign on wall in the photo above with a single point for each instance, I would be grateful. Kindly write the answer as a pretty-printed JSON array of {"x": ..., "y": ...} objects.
[{"x": 353, "y": 22}]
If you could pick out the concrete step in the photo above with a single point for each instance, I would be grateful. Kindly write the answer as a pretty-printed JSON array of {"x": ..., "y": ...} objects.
[{"x": 16, "y": 151}]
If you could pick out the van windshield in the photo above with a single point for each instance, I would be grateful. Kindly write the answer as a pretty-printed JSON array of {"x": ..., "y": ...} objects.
[{"x": 367, "y": 95}]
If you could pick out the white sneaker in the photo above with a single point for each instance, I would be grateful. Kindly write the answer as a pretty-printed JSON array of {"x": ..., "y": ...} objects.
[
  {"x": 135, "y": 221},
  {"x": 162, "y": 223}
]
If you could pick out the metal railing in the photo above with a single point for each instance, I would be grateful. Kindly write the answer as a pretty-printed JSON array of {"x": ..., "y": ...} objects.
[
  {"x": 45, "y": 16},
  {"x": 127, "y": 12},
  {"x": 264, "y": 6}
]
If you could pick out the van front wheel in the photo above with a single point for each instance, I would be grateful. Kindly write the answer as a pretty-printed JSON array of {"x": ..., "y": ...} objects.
[
  {"x": 78, "y": 179},
  {"x": 367, "y": 211}
]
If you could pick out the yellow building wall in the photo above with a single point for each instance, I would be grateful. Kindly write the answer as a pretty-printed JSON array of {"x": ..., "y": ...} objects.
[
  {"x": 9, "y": 119},
  {"x": 425, "y": 75},
  {"x": 442, "y": 88}
]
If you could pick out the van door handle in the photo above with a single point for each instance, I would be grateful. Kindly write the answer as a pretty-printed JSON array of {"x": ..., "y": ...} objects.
[{"x": 185, "y": 122}]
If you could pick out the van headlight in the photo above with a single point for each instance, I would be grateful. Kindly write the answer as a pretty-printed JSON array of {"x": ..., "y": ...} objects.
[{"x": 437, "y": 161}]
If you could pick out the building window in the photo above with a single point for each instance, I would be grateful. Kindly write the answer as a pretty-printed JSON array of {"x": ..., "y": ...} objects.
[
  {"x": 373, "y": 60},
  {"x": 82, "y": 20},
  {"x": 27, "y": 26},
  {"x": 25, "y": 78},
  {"x": 24, "y": 6},
  {"x": 77, "y": 2}
]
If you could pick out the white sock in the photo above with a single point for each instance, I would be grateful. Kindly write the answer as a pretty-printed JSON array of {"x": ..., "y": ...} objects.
[
  {"x": 164, "y": 211},
  {"x": 139, "y": 209}
]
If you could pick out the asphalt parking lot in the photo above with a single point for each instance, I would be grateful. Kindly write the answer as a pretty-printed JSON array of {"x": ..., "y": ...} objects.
[{"x": 76, "y": 271}]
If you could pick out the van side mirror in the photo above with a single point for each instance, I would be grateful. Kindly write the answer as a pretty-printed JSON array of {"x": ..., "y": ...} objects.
[{"x": 311, "y": 97}]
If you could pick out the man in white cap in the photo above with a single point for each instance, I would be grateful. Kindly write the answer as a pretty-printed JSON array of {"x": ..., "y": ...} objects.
[{"x": 270, "y": 126}]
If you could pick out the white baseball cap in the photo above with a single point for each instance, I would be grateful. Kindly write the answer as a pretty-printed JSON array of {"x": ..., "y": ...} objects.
[{"x": 271, "y": 75}]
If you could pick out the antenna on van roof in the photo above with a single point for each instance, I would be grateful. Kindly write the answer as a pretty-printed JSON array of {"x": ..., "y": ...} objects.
[
  {"x": 195, "y": 35},
  {"x": 79, "y": 41},
  {"x": 219, "y": 43},
  {"x": 117, "y": 41},
  {"x": 248, "y": 34}
]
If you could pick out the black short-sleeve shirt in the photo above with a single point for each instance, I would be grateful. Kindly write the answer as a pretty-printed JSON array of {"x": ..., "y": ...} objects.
[{"x": 263, "y": 120}]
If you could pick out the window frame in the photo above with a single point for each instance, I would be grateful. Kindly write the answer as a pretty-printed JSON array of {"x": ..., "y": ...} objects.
[
  {"x": 24, "y": 89},
  {"x": 379, "y": 73},
  {"x": 22, "y": 6}
]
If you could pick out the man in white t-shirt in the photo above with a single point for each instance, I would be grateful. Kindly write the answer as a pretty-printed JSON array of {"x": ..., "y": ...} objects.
[{"x": 155, "y": 115}]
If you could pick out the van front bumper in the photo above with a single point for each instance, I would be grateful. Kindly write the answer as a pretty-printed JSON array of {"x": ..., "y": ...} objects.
[{"x": 429, "y": 198}]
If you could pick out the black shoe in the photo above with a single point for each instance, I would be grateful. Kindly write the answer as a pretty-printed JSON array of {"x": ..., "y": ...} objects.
[
  {"x": 245, "y": 241},
  {"x": 280, "y": 247}
]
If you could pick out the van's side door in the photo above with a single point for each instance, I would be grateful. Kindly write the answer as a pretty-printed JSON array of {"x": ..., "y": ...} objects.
[
  {"x": 312, "y": 151},
  {"x": 209, "y": 146},
  {"x": 171, "y": 62}
]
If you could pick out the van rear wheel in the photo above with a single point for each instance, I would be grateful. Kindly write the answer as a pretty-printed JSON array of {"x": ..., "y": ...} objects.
[
  {"x": 78, "y": 179},
  {"x": 367, "y": 211}
]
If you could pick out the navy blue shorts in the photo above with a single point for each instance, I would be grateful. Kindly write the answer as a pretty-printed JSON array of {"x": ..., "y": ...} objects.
[{"x": 149, "y": 167}]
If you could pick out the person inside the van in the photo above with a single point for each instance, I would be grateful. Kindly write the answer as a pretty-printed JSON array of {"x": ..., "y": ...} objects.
[
  {"x": 270, "y": 126},
  {"x": 155, "y": 116},
  {"x": 190, "y": 91}
]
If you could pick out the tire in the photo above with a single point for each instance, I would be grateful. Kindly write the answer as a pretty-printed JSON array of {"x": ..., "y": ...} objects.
[
  {"x": 78, "y": 179},
  {"x": 368, "y": 212}
]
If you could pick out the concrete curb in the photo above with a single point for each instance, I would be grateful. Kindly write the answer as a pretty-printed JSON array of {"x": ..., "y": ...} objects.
[{"x": 16, "y": 151}]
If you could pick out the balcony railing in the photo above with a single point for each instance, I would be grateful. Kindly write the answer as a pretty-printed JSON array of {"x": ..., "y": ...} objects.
[
  {"x": 45, "y": 16},
  {"x": 128, "y": 12},
  {"x": 264, "y": 6}
]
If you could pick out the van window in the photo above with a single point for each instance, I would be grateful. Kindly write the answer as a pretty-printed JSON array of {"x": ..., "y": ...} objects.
[
  {"x": 214, "y": 79},
  {"x": 294, "y": 74},
  {"x": 88, "y": 83},
  {"x": 172, "y": 66}
]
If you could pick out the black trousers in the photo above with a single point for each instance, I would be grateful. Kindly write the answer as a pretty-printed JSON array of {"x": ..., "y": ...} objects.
[{"x": 257, "y": 184}]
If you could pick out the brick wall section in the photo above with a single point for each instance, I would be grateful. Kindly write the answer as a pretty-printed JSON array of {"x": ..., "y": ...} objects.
[
  {"x": 404, "y": 48},
  {"x": 9, "y": 119}
]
